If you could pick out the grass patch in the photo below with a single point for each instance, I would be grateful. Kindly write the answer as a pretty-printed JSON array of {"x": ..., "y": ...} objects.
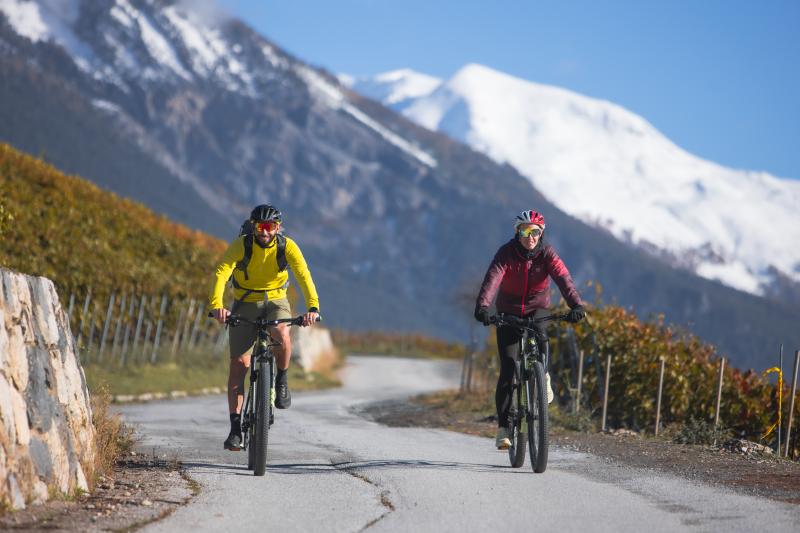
[
  {"x": 160, "y": 377},
  {"x": 188, "y": 373},
  {"x": 473, "y": 403}
]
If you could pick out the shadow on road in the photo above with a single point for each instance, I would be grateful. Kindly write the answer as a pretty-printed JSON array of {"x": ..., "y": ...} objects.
[
  {"x": 332, "y": 467},
  {"x": 236, "y": 470}
]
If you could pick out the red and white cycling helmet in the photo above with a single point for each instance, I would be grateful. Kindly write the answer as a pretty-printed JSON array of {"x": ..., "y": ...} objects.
[{"x": 529, "y": 217}]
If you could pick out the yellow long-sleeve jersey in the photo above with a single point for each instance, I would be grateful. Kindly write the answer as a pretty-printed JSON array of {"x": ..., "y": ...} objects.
[{"x": 262, "y": 274}]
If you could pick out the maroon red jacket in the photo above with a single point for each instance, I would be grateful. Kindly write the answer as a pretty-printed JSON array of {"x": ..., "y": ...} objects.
[{"x": 521, "y": 279}]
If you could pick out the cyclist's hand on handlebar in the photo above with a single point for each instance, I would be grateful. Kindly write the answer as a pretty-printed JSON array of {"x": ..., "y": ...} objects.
[
  {"x": 576, "y": 314},
  {"x": 220, "y": 315},
  {"x": 310, "y": 317},
  {"x": 482, "y": 316}
]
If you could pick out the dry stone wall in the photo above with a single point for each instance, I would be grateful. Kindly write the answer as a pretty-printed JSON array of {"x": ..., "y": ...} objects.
[
  {"x": 312, "y": 348},
  {"x": 46, "y": 432}
]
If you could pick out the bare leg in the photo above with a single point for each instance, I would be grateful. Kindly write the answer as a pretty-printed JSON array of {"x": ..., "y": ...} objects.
[
  {"x": 237, "y": 372},
  {"x": 283, "y": 353}
]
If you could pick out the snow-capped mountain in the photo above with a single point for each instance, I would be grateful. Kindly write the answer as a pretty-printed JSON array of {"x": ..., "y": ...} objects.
[
  {"x": 611, "y": 168},
  {"x": 191, "y": 112}
]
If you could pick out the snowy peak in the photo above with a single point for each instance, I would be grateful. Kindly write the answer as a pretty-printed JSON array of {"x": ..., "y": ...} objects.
[
  {"x": 394, "y": 87},
  {"x": 611, "y": 168},
  {"x": 134, "y": 40}
]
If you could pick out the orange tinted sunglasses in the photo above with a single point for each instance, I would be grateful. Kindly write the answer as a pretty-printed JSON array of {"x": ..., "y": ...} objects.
[{"x": 268, "y": 226}]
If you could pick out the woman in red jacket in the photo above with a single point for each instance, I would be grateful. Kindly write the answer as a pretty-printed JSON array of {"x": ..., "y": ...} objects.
[{"x": 520, "y": 278}]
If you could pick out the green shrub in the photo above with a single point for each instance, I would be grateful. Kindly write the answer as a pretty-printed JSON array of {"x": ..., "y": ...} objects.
[{"x": 698, "y": 431}]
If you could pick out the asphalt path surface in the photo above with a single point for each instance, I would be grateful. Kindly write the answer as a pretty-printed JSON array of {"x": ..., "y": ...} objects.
[{"x": 330, "y": 469}]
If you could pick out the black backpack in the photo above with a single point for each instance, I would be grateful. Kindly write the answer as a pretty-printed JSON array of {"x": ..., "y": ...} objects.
[{"x": 247, "y": 231}]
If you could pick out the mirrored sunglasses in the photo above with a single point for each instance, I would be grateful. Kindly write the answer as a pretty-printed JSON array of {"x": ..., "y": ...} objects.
[
  {"x": 268, "y": 226},
  {"x": 530, "y": 232}
]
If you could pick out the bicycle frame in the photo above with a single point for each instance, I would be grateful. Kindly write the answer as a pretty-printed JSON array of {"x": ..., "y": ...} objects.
[
  {"x": 528, "y": 410},
  {"x": 263, "y": 359},
  {"x": 262, "y": 367}
]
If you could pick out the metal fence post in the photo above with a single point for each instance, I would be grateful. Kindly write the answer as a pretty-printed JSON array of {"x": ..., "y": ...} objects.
[
  {"x": 117, "y": 331},
  {"x": 148, "y": 328},
  {"x": 91, "y": 333},
  {"x": 719, "y": 390},
  {"x": 198, "y": 317},
  {"x": 142, "y": 305},
  {"x": 605, "y": 391},
  {"x": 83, "y": 315},
  {"x": 177, "y": 335},
  {"x": 184, "y": 342},
  {"x": 780, "y": 399},
  {"x": 791, "y": 402},
  {"x": 580, "y": 380},
  {"x": 128, "y": 327},
  {"x": 106, "y": 326},
  {"x": 157, "y": 340},
  {"x": 658, "y": 398}
]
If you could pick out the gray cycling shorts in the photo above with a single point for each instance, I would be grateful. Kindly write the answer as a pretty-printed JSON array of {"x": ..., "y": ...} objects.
[{"x": 243, "y": 337}]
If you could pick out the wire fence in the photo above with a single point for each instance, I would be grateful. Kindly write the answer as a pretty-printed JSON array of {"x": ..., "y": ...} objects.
[
  {"x": 133, "y": 329},
  {"x": 587, "y": 380}
]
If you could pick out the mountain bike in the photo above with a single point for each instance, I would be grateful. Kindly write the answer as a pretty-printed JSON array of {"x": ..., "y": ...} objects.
[
  {"x": 527, "y": 415},
  {"x": 259, "y": 405}
]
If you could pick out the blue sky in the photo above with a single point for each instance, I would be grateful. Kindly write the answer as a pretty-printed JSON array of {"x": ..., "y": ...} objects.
[{"x": 719, "y": 78}]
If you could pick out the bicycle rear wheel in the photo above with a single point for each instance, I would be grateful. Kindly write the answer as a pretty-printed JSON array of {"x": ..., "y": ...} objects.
[
  {"x": 516, "y": 453},
  {"x": 537, "y": 418},
  {"x": 262, "y": 418}
]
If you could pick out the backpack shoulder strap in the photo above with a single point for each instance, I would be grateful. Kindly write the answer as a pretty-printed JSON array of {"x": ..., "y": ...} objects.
[
  {"x": 248, "y": 253},
  {"x": 281, "y": 252}
]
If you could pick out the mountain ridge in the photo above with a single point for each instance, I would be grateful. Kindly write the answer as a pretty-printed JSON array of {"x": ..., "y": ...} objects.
[
  {"x": 395, "y": 220},
  {"x": 612, "y": 169}
]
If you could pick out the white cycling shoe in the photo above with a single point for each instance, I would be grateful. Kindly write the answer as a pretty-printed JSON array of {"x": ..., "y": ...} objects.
[
  {"x": 548, "y": 387},
  {"x": 503, "y": 442}
]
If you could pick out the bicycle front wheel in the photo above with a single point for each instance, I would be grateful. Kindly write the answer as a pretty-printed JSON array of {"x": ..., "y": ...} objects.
[
  {"x": 262, "y": 419},
  {"x": 250, "y": 435},
  {"x": 516, "y": 415},
  {"x": 537, "y": 418}
]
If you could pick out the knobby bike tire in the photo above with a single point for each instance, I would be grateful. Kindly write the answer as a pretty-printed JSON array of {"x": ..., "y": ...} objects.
[
  {"x": 537, "y": 418},
  {"x": 516, "y": 453},
  {"x": 262, "y": 419},
  {"x": 251, "y": 430}
]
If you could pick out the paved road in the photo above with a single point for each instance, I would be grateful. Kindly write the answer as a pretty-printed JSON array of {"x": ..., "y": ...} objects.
[{"x": 331, "y": 470}]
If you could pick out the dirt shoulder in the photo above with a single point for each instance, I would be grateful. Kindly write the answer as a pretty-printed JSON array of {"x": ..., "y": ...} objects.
[
  {"x": 747, "y": 471},
  {"x": 140, "y": 490}
]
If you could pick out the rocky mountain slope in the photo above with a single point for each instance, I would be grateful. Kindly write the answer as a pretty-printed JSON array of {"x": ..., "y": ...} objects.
[
  {"x": 610, "y": 168},
  {"x": 199, "y": 117}
]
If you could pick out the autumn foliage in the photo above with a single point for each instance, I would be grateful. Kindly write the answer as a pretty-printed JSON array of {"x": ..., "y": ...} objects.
[
  {"x": 749, "y": 401},
  {"x": 81, "y": 236}
]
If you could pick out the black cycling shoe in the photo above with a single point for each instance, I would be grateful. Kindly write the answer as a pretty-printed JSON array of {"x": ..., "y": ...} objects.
[
  {"x": 233, "y": 442},
  {"x": 283, "y": 398}
]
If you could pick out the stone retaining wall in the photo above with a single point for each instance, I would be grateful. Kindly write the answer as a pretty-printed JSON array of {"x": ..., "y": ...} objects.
[
  {"x": 46, "y": 433},
  {"x": 312, "y": 348}
]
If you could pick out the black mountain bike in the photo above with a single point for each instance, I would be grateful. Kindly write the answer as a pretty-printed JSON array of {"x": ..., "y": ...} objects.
[
  {"x": 259, "y": 405},
  {"x": 527, "y": 415}
]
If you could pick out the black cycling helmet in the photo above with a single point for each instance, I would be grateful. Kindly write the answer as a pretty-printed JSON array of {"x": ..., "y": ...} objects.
[{"x": 265, "y": 212}]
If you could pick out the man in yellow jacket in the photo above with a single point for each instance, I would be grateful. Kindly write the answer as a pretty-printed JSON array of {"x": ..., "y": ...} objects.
[{"x": 260, "y": 283}]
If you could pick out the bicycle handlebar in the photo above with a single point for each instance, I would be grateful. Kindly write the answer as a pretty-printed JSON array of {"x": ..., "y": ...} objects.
[
  {"x": 502, "y": 319},
  {"x": 235, "y": 320}
]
